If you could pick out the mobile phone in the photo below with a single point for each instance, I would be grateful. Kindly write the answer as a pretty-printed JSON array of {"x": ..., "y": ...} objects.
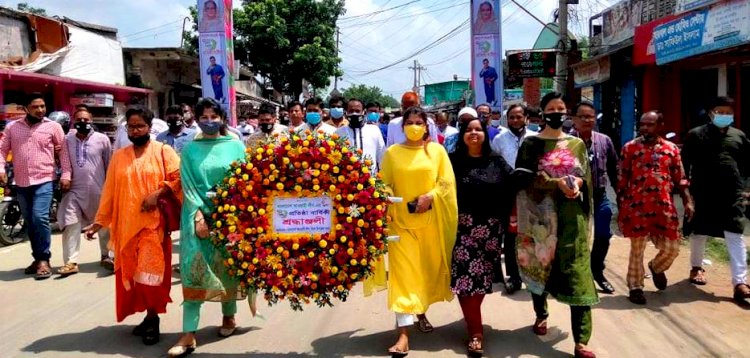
[{"x": 412, "y": 206}]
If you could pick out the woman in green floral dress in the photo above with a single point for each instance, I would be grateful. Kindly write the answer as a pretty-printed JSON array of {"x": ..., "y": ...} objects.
[{"x": 554, "y": 223}]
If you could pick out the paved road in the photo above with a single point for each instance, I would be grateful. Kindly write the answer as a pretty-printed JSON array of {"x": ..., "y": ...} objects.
[{"x": 74, "y": 317}]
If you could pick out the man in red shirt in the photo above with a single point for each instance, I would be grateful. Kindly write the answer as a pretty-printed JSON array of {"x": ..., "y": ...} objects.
[
  {"x": 35, "y": 142},
  {"x": 650, "y": 168}
]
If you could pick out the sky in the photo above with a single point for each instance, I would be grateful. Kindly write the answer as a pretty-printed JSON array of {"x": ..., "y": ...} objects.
[{"x": 368, "y": 41}]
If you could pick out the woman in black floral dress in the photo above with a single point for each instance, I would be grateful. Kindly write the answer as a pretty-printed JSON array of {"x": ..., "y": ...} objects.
[{"x": 485, "y": 197}]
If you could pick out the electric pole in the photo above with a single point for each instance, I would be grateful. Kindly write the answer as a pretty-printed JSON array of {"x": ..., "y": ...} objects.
[
  {"x": 417, "y": 75},
  {"x": 335, "y": 91},
  {"x": 562, "y": 47}
]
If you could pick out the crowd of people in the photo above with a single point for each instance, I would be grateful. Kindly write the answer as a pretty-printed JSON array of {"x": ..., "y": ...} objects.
[{"x": 532, "y": 192}]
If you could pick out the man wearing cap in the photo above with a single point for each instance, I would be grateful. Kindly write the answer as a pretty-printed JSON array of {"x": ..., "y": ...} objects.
[{"x": 396, "y": 131}]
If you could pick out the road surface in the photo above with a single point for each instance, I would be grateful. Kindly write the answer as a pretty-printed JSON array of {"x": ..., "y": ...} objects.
[{"x": 74, "y": 317}]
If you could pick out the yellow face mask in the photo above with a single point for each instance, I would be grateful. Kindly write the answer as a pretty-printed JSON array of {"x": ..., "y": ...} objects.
[{"x": 414, "y": 132}]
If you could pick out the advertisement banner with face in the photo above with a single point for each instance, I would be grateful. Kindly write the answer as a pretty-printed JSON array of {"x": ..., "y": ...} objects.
[
  {"x": 216, "y": 52},
  {"x": 486, "y": 52},
  {"x": 210, "y": 16}
]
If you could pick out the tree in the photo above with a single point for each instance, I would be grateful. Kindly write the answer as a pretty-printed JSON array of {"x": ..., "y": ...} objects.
[
  {"x": 584, "y": 47},
  {"x": 370, "y": 94},
  {"x": 25, "y": 7},
  {"x": 288, "y": 40},
  {"x": 284, "y": 40}
]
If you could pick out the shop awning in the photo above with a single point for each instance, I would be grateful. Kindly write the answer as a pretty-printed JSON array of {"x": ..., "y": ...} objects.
[
  {"x": 592, "y": 71},
  {"x": 32, "y": 81}
]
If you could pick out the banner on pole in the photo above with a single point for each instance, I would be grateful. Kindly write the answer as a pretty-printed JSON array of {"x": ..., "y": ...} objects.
[
  {"x": 216, "y": 52},
  {"x": 486, "y": 53}
]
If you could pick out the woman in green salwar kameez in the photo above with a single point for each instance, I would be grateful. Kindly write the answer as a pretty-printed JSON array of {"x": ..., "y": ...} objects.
[
  {"x": 554, "y": 223},
  {"x": 205, "y": 163}
]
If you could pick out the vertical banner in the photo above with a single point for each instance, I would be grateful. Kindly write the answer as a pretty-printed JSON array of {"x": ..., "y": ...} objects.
[
  {"x": 486, "y": 53},
  {"x": 216, "y": 52}
]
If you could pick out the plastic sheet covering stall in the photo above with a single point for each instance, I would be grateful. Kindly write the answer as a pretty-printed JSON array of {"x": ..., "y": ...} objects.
[{"x": 91, "y": 57}]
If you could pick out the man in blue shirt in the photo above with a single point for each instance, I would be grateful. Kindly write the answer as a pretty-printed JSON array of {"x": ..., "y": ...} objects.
[
  {"x": 216, "y": 72},
  {"x": 177, "y": 136}
]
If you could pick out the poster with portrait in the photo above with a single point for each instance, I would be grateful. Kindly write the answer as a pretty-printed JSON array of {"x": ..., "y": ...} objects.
[
  {"x": 486, "y": 53},
  {"x": 210, "y": 16},
  {"x": 216, "y": 52}
]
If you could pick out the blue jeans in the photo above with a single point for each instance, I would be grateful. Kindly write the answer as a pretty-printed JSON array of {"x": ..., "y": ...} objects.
[
  {"x": 35, "y": 202},
  {"x": 602, "y": 233}
]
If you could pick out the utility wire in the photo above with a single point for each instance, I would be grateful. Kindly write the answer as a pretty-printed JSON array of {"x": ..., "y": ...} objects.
[
  {"x": 463, "y": 26},
  {"x": 405, "y": 16},
  {"x": 152, "y": 28},
  {"x": 345, "y": 18}
]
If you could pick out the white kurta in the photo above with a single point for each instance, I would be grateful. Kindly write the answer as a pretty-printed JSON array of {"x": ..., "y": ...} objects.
[
  {"x": 89, "y": 160},
  {"x": 325, "y": 128},
  {"x": 507, "y": 144},
  {"x": 369, "y": 139}
]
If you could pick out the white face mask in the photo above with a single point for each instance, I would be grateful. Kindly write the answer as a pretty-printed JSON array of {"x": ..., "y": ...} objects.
[{"x": 495, "y": 123}]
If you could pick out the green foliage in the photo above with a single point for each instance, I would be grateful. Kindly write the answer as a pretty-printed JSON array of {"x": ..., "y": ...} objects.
[
  {"x": 289, "y": 40},
  {"x": 370, "y": 94},
  {"x": 284, "y": 40},
  {"x": 190, "y": 38},
  {"x": 25, "y": 7},
  {"x": 584, "y": 47}
]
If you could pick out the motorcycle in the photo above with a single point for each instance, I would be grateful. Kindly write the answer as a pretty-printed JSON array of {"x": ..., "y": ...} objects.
[{"x": 12, "y": 224}]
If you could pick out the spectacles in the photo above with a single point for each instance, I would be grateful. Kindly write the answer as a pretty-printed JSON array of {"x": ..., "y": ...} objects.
[
  {"x": 138, "y": 127},
  {"x": 586, "y": 118},
  {"x": 81, "y": 119}
]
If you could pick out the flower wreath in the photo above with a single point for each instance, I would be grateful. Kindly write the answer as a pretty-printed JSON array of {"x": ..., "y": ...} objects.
[{"x": 301, "y": 267}]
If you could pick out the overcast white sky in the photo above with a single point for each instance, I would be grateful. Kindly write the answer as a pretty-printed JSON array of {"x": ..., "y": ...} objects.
[{"x": 367, "y": 42}]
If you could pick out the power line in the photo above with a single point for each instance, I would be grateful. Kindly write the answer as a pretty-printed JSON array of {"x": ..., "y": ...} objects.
[
  {"x": 400, "y": 17},
  {"x": 152, "y": 28},
  {"x": 345, "y": 18},
  {"x": 400, "y": 31},
  {"x": 154, "y": 35},
  {"x": 463, "y": 26}
]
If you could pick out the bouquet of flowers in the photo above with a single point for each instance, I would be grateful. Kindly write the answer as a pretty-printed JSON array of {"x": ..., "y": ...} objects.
[{"x": 301, "y": 267}]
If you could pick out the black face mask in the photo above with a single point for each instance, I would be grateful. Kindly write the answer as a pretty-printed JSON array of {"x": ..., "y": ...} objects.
[
  {"x": 266, "y": 128},
  {"x": 83, "y": 127},
  {"x": 355, "y": 120},
  {"x": 284, "y": 120},
  {"x": 554, "y": 120},
  {"x": 174, "y": 125},
  {"x": 140, "y": 141}
]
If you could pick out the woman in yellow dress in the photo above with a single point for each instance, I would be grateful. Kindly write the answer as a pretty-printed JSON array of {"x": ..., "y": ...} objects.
[{"x": 419, "y": 172}]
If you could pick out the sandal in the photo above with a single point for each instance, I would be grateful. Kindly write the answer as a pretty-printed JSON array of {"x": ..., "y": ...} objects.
[
  {"x": 583, "y": 353},
  {"x": 395, "y": 353},
  {"x": 697, "y": 277},
  {"x": 70, "y": 268},
  {"x": 474, "y": 347},
  {"x": 107, "y": 263},
  {"x": 151, "y": 332},
  {"x": 741, "y": 293},
  {"x": 423, "y": 325},
  {"x": 43, "y": 271},
  {"x": 540, "y": 327},
  {"x": 228, "y": 327},
  {"x": 181, "y": 351},
  {"x": 512, "y": 286},
  {"x": 31, "y": 269}
]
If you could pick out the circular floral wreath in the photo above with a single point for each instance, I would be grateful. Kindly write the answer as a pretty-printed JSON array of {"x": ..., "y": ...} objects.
[{"x": 302, "y": 268}]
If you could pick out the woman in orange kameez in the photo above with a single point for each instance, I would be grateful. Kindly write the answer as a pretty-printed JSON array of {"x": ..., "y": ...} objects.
[{"x": 137, "y": 175}]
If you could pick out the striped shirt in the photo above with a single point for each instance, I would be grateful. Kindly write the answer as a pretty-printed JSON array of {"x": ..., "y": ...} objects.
[{"x": 34, "y": 149}]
